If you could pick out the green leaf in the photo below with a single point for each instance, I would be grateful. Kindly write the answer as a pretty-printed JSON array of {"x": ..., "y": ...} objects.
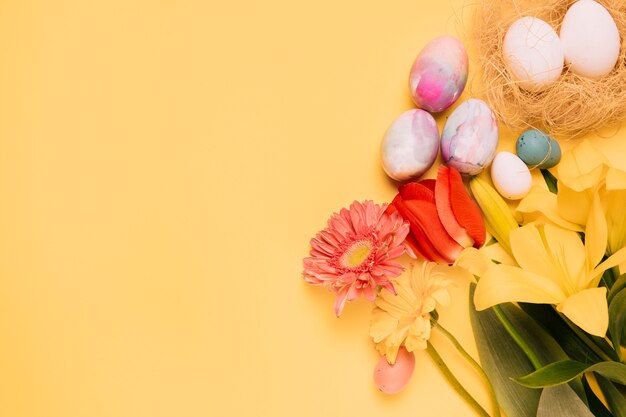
[
  {"x": 561, "y": 401},
  {"x": 617, "y": 319},
  {"x": 615, "y": 399},
  {"x": 562, "y": 333},
  {"x": 619, "y": 285},
  {"x": 551, "y": 181},
  {"x": 501, "y": 359},
  {"x": 563, "y": 371}
]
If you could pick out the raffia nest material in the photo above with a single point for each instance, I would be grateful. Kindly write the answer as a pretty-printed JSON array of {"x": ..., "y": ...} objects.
[{"x": 573, "y": 105}]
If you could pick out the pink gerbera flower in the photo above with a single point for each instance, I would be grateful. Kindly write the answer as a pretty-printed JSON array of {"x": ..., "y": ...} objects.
[{"x": 355, "y": 253}]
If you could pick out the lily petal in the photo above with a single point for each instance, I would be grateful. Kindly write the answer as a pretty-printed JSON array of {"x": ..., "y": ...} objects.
[
  {"x": 581, "y": 168},
  {"x": 540, "y": 206},
  {"x": 574, "y": 206},
  {"x": 615, "y": 179},
  {"x": 588, "y": 309},
  {"x": 618, "y": 258},
  {"x": 474, "y": 261},
  {"x": 616, "y": 221},
  {"x": 503, "y": 283},
  {"x": 596, "y": 234}
]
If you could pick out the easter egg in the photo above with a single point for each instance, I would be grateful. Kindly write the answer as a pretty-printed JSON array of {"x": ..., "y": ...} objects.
[
  {"x": 391, "y": 379},
  {"x": 439, "y": 74},
  {"x": 537, "y": 149},
  {"x": 410, "y": 145},
  {"x": 470, "y": 137},
  {"x": 590, "y": 39},
  {"x": 533, "y": 53},
  {"x": 510, "y": 176}
]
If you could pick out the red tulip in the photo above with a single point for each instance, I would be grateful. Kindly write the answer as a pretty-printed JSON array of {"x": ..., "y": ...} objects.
[{"x": 443, "y": 217}]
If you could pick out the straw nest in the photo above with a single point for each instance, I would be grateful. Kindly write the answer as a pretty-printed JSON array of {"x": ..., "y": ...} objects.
[{"x": 569, "y": 108}]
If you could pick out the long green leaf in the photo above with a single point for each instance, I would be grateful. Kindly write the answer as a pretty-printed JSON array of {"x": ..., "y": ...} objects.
[
  {"x": 561, "y": 401},
  {"x": 615, "y": 399},
  {"x": 563, "y": 371},
  {"x": 617, "y": 319},
  {"x": 501, "y": 359}
]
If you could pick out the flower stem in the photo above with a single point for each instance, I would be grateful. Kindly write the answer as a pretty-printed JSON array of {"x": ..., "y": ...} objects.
[
  {"x": 475, "y": 365},
  {"x": 467, "y": 397},
  {"x": 521, "y": 342}
]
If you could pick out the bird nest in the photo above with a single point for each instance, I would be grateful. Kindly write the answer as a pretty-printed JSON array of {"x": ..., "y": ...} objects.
[{"x": 570, "y": 107}]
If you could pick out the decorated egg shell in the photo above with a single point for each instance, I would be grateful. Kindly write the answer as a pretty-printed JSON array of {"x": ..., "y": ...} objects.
[
  {"x": 391, "y": 379},
  {"x": 410, "y": 145},
  {"x": 537, "y": 149},
  {"x": 439, "y": 74},
  {"x": 470, "y": 137},
  {"x": 510, "y": 176},
  {"x": 533, "y": 53},
  {"x": 590, "y": 39}
]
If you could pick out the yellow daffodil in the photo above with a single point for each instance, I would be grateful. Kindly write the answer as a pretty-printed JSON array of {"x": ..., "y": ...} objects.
[{"x": 555, "y": 267}]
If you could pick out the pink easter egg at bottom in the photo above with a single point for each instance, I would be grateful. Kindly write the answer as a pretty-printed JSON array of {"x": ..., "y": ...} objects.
[{"x": 391, "y": 379}]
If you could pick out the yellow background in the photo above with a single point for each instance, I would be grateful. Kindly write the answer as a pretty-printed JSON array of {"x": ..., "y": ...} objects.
[{"x": 163, "y": 165}]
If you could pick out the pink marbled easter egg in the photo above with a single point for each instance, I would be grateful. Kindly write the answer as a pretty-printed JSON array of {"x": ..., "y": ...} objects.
[
  {"x": 470, "y": 137},
  {"x": 439, "y": 74}
]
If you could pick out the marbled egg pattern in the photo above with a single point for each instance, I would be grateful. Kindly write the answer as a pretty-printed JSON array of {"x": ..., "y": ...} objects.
[
  {"x": 470, "y": 137},
  {"x": 439, "y": 74}
]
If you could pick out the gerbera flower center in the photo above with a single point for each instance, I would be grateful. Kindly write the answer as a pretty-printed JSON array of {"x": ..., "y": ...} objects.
[{"x": 357, "y": 253}]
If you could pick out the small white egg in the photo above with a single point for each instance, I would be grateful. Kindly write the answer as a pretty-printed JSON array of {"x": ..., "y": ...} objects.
[
  {"x": 590, "y": 39},
  {"x": 533, "y": 53},
  {"x": 510, "y": 176}
]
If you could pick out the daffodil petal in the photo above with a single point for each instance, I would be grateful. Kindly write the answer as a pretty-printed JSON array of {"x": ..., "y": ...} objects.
[
  {"x": 581, "y": 168},
  {"x": 503, "y": 283},
  {"x": 615, "y": 179},
  {"x": 588, "y": 310},
  {"x": 540, "y": 206},
  {"x": 573, "y": 206},
  {"x": 596, "y": 234}
]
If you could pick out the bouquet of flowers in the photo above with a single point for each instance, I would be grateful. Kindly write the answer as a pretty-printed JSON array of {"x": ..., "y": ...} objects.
[{"x": 548, "y": 266}]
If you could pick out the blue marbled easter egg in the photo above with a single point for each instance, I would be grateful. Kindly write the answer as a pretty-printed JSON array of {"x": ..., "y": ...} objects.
[{"x": 537, "y": 149}]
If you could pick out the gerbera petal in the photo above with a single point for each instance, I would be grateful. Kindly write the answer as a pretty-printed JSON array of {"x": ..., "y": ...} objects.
[
  {"x": 503, "y": 283},
  {"x": 582, "y": 167},
  {"x": 382, "y": 325},
  {"x": 596, "y": 234},
  {"x": 340, "y": 300},
  {"x": 588, "y": 310}
]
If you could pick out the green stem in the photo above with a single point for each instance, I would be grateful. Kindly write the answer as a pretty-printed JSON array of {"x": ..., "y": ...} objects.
[
  {"x": 475, "y": 365},
  {"x": 455, "y": 382},
  {"x": 521, "y": 342}
]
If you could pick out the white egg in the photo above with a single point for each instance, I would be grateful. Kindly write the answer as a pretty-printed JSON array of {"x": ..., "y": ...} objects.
[
  {"x": 590, "y": 39},
  {"x": 510, "y": 176},
  {"x": 533, "y": 53}
]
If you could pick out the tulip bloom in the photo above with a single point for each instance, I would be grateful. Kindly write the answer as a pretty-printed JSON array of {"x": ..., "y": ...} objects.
[{"x": 443, "y": 218}]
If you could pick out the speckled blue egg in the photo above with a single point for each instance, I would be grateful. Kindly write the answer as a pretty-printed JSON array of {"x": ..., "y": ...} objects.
[{"x": 537, "y": 149}]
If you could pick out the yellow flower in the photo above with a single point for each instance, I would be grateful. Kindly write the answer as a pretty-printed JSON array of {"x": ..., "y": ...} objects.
[
  {"x": 555, "y": 267},
  {"x": 404, "y": 319},
  {"x": 583, "y": 174}
]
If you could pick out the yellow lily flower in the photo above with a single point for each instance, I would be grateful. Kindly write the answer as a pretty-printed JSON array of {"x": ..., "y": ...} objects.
[
  {"x": 555, "y": 267},
  {"x": 583, "y": 173}
]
